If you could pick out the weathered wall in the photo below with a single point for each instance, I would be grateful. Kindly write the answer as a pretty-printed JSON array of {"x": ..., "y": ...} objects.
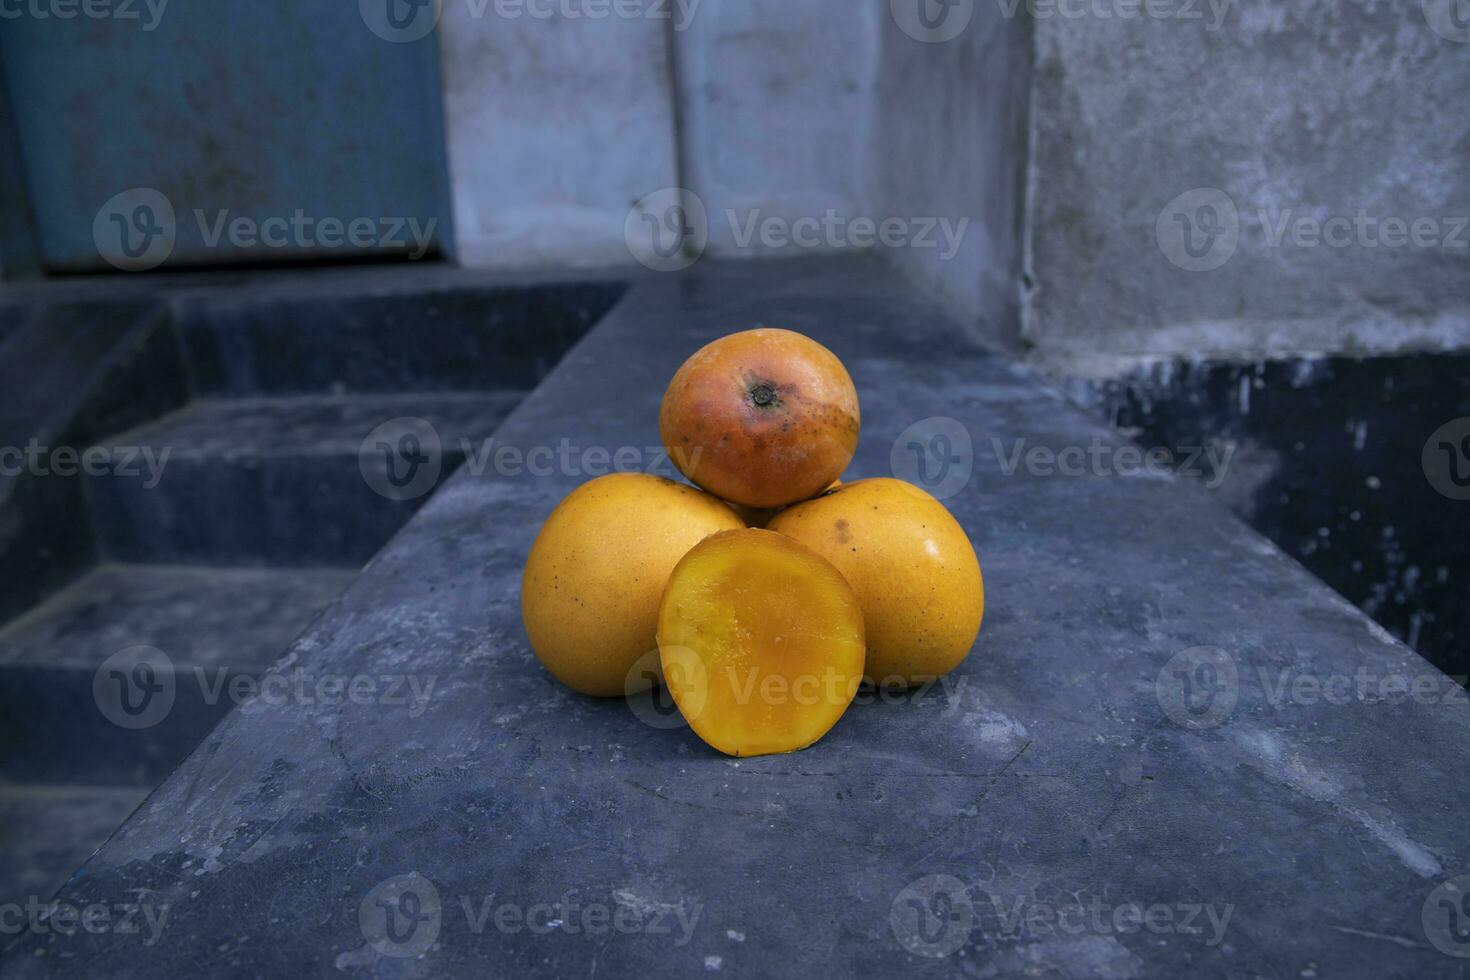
[
  {"x": 953, "y": 141},
  {"x": 796, "y": 128},
  {"x": 1270, "y": 112},
  {"x": 777, "y": 119},
  {"x": 556, "y": 125}
]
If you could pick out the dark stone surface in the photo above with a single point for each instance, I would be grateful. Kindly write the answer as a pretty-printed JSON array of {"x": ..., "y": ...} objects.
[
  {"x": 69, "y": 371},
  {"x": 274, "y": 480},
  {"x": 46, "y": 833},
  {"x": 1046, "y": 772},
  {"x": 1325, "y": 457},
  {"x": 210, "y": 624},
  {"x": 314, "y": 336}
]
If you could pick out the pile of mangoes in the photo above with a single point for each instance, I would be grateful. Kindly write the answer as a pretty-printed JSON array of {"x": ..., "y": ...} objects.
[{"x": 775, "y": 591}]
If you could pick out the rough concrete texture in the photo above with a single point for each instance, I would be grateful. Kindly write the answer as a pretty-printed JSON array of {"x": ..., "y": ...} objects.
[
  {"x": 1326, "y": 457},
  {"x": 799, "y": 129},
  {"x": 280, "y": 481},
  {"x": 556, "y": 126},
  {"x": 212, "y": 626},
  {"x": 953, "y": 142},
  {"x": 47, "y": 832},
  {"x": 1058, "y": 770},
  {"x": 1294, "y": 111},
  {"x": 777, "y": 117}
]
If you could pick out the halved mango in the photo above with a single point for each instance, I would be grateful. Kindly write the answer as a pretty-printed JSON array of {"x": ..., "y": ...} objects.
[{"x": 761, "y": 642}]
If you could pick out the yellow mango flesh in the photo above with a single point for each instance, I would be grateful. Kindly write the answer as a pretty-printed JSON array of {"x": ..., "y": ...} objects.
[{"x": 761, "y": 643}]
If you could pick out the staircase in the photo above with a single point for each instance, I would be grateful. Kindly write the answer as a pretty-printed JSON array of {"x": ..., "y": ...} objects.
[{"x": 224, "y": 522}]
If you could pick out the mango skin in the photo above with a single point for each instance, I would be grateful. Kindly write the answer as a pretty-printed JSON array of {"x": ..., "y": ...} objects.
[
  {"x": 913, "y": 569},
  {"x": 758, "y": 518},
  {"x": 593, "y": 581},
  {"x": 761, "y": 418}
]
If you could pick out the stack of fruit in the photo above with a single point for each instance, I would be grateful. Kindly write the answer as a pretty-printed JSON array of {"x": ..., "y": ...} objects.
[{"x": 770, "y": 595}]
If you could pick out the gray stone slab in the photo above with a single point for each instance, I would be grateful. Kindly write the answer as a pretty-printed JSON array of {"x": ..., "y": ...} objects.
[
  {"x": 1049, "y": 776},
  {"x": 46, "y": 833},
  {"x": 61, "y": 718},
  {"x": 1292, "y": 148}
]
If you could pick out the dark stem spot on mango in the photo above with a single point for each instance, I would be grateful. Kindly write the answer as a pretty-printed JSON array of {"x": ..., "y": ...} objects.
[{"x": 763, "y": 395}]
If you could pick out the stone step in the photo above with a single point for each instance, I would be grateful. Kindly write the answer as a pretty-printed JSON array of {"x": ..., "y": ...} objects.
[
  {"x": 282, "y": 481},
  {"x": 47, "y": 832},
  {"x": 312, "y": 336},
  {"x": 73, "y": 708}
]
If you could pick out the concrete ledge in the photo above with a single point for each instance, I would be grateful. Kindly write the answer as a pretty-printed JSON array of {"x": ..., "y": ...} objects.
[{"x": 1061, "y": 767}]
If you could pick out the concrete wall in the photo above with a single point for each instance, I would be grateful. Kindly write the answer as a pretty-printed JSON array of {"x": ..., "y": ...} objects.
[
  {"x": 777, "y": 112},
  {"x": 1224, "y": 127},
  {"x": 952, "y": 145},
  {"x": 556, "y": 125},
  {"x": 835, "y": 115},
  {"x": 1214, "y": 178}
]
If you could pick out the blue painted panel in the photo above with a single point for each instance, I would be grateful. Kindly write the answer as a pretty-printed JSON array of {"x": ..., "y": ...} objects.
[{"x": 260, "y": 125}]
